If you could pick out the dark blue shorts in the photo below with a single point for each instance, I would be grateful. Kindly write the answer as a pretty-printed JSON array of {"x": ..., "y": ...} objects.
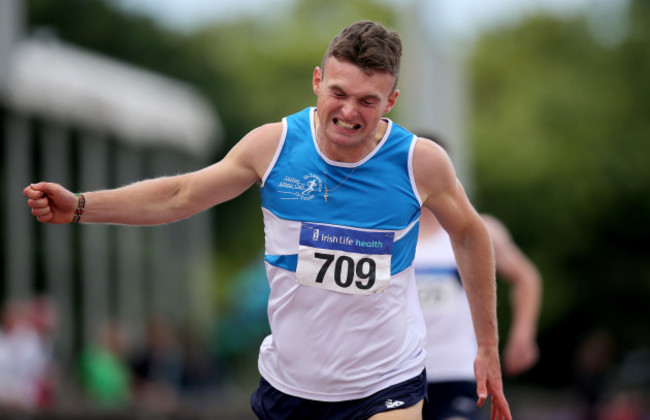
[
  {"x": 270, "y": 404},
  {"x": 452, "y": 399}
]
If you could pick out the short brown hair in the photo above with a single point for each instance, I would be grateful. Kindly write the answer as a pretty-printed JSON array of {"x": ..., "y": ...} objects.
[{"x": 369, "y": 46}]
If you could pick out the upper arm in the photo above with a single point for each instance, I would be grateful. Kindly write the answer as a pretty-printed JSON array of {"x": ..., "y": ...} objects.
[
  {"x": 244, "y": 165},
  {"x": 511, "y": 263},
  {"x": 441, "y": 191}
]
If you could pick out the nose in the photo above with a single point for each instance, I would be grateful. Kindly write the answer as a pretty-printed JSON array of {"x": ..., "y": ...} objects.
[{"x": 349, "y": 109}]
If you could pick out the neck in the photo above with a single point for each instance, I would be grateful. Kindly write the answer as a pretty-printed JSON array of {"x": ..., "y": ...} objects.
[{"x": 349, "y": 154}]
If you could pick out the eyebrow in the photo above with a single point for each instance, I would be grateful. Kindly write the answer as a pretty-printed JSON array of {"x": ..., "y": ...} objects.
[{"x": 365, "y": 97}]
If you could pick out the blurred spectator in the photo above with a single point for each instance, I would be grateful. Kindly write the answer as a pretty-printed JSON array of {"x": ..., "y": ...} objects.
[
  {"x": 25, "y": 354},
  {"x": 244, "y": 322},
  {"x": 200, "y": 373},
  {"x": 593, "y": 363},
  {"x": 625, "y": 405},
  {"x": 103, "y": 369},
  {"x": 43, "y": 317},
  {"x": 158, "y": 368}
]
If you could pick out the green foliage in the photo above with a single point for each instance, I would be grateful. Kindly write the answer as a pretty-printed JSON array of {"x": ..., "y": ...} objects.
[
  {"x": 97, "y": 26},
  {"x": 561, "y": 148}
]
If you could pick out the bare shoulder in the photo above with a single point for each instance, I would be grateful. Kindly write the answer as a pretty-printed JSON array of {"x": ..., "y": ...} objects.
[
  {"x": 257, "y": 148},
  {"x": 433, "y": 170},
  {"x": 263, "y": 139}
]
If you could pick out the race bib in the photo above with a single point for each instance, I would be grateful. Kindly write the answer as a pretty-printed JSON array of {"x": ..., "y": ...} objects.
[
  {"x": 344, "y": 260},
  {"x": 438, "y": 291}
]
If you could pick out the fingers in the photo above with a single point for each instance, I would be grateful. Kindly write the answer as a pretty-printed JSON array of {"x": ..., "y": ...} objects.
[
  {"x": 39, "y": 202},
  {"x": 497, "y": 413},
  {"x": 42, "y": 213},
  {"x": 481, "y": 382},
  {"x": 31, "y": 191},
  {"x": 43, "y": 188},
  {"x": 481, "y": 391},
  {"x": 500, "y": 409},
  {"x": 46, "y": 218},
  {"x": 488, "y": 382},
  {"x": 41, "y": 209}
]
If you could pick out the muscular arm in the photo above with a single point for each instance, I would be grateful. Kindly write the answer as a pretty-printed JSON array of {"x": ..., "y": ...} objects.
[
  {"x": 164, "y": 199},
  {"x": 443, "y": 194},
  {"x": 513, "y": 266}
]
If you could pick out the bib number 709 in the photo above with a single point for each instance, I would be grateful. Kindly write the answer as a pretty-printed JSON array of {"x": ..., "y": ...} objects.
[
  {"x": 344, "y": 260},
  {"x": 345, "y": 270}
]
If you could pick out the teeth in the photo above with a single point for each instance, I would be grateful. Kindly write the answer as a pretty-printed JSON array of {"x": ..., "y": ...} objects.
[{"x": 346, "y": 125}]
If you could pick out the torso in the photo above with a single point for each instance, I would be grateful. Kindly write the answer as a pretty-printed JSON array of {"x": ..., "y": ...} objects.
[{"x": 343, "y": 306}]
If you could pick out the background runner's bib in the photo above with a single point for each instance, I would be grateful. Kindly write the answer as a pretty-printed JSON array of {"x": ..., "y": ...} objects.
[
  {"x": 438, "y": 290},
  {"x": 344, "y": 260},
  {"x": 450, "y": 342}
]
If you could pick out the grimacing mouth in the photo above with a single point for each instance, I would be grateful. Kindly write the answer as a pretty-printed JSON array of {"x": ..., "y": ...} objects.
[{"x": 345, "y": 125}]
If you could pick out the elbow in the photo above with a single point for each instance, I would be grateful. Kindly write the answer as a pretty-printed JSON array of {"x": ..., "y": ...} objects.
[
  {"x": 181, "y": 207},
  {"x": 179, "y": 202}
]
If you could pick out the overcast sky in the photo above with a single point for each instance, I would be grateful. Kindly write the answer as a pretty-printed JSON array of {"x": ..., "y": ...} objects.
[{"x": 458, "y": 17}]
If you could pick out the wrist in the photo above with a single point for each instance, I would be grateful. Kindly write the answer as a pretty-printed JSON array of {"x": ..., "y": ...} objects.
[
  {"x": 522, "y": 332},
  {"x": 81, "y": 206},
  {"x": 488, "y": 346}
]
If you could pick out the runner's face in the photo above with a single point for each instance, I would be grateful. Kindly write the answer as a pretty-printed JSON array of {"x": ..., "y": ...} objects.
[{"x": 351, "y": 103}]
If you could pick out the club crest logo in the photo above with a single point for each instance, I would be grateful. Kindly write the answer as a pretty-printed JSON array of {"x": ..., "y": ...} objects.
[{"x": 304, "y": 188}]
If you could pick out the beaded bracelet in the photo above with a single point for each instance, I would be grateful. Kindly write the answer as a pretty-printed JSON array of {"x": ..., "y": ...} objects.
[{"x": 81, "y": 205}]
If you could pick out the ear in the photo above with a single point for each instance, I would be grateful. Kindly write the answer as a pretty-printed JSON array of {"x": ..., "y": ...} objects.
[
  {"x": 317, "y": 79},
  {"x": 391, "y": 101}
]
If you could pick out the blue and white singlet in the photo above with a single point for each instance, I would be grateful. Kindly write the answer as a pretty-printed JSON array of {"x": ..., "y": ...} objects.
[{"x": 343, "y": 307}]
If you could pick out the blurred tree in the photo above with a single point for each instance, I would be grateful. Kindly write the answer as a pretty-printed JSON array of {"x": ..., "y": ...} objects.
[
  {"x": 560, "y": 142},
  {"x": 99, "y": 26}
]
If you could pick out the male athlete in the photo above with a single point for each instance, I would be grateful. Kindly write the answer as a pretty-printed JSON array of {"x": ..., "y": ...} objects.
[{"x": 347, "y": 330}]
